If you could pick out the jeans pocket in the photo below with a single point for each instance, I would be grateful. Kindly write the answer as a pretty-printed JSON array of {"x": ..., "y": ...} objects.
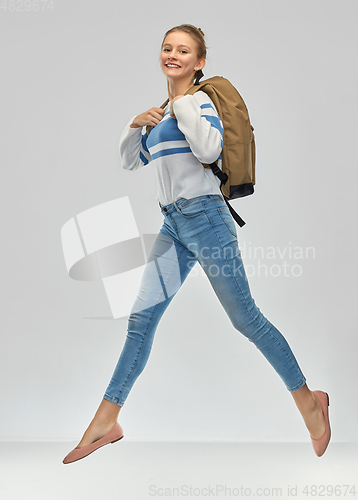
[
  {"x": 191, "y": 208},
  {"x": 228, "y": 219}
]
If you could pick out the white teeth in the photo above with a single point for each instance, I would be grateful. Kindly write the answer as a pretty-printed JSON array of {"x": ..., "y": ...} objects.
[{"x": 172, "y": 66}]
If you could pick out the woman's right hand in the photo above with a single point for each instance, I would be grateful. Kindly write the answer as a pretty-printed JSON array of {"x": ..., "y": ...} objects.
[{"x": 151, "y": 117}]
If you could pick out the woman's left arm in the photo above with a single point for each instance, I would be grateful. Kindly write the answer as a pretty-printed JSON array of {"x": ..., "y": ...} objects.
[{"x": 200, "y": 123}]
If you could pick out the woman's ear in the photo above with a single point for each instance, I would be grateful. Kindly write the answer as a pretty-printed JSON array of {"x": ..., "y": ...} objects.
[{"x": 200, "y": 64}]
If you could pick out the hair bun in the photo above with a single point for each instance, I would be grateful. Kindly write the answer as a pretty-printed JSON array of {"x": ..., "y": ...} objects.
[{"x": 199, "y": 29}]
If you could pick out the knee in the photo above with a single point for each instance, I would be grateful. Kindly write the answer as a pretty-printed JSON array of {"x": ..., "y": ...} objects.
[
  {"x": 251, "y": 323},
  {"x": 137, "y": 326}
]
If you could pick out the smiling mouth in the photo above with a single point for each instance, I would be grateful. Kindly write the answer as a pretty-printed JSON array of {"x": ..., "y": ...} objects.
[{"x": 175, "y": 66}]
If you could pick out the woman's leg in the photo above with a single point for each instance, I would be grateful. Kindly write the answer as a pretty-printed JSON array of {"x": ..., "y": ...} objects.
[
  {"x": 166, "y": 270},
  {"x": 216, "y": 248}
]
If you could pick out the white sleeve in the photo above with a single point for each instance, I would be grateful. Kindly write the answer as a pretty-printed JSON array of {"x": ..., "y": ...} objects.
[
  {"x": 132, "y": 147},
  {"x": 199, "y": 121}
]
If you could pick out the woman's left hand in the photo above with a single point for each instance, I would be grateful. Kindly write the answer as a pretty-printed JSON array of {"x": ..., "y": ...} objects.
[{"x": 171, "y": 112}]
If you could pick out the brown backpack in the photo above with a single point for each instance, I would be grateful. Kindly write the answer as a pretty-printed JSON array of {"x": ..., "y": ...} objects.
[{"x": 238, "y": 155}]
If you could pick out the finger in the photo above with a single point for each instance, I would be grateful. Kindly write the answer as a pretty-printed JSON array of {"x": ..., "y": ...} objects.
[
  {"x": 156, "y": 116},
  {"x": 156, "y": 112},
  {"x": 154, "y": 122}
]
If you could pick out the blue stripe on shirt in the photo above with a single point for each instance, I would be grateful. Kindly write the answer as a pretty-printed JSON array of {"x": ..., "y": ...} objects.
[
  {"x": 143, "y": 158},
  {"x": 165, "y": 131},
  {"x": 208, "y": 105},
  {"x": 170, "y": 151},
  {"x": 144, "y": 142},
  {"x": 215, "y": 122}
]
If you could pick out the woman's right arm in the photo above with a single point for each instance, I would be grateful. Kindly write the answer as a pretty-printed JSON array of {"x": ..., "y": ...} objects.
[{"x": 132, "y": 144}]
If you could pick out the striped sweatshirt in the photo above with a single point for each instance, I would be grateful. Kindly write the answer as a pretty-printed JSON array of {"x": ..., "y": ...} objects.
[{"x": 177, "y": 148}]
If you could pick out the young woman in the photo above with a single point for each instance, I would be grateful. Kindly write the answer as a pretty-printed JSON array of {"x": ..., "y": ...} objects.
[{"x": 187, "y": 133}]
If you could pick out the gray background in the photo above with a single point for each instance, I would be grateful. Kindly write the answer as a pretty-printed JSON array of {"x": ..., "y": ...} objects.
[{"x": 71, "y": 79}]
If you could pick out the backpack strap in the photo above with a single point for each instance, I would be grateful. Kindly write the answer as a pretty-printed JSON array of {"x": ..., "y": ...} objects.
[
  {"x": 234, "y": 214},
  {"x": 223, "y": 177}
]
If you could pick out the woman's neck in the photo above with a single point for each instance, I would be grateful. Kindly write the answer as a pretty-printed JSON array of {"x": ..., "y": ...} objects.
[{"x": 176, "y": 88}]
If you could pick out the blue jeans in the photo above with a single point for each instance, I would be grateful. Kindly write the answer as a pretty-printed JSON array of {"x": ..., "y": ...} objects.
[{"x": 199, "y": 229}]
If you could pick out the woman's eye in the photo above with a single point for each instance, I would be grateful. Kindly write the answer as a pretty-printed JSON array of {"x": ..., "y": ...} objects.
[{"x": 166, "y": 50}]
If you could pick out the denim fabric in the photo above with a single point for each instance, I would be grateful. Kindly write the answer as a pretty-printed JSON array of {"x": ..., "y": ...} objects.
[{"x": 199, "y": 229}]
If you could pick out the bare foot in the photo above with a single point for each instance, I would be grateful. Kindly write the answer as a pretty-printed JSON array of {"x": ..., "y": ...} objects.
[{"x": 94, "y": 432}]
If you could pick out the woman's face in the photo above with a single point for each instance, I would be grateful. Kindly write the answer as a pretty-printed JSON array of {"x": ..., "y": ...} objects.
[{"x": 178, "y": 58}]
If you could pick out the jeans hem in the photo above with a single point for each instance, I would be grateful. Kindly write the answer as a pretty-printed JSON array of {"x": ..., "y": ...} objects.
[
  {"x": 113, "y": 400},
  {"x": 301, "y": 384}
]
